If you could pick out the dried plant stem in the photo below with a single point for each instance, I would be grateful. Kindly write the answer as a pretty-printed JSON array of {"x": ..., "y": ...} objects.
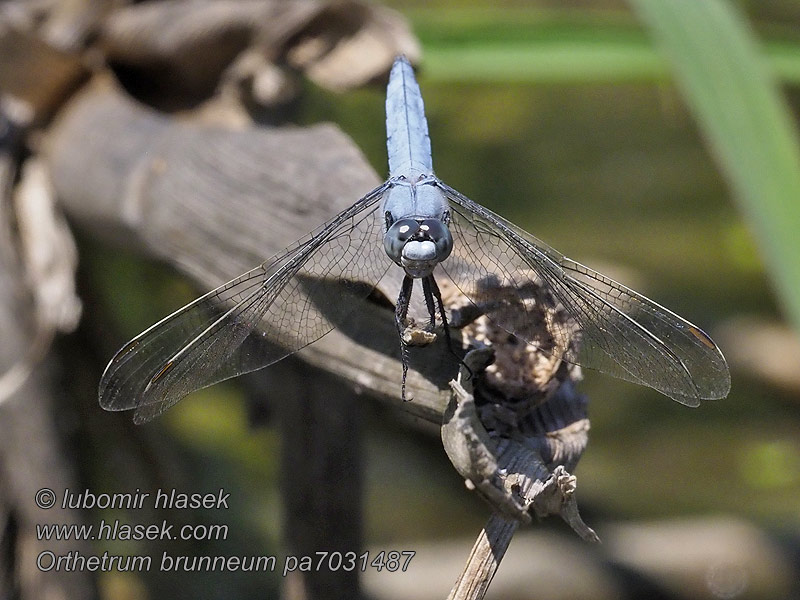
[{"x": 487, "y": 552}]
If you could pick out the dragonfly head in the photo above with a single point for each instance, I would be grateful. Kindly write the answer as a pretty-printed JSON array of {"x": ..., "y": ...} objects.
[{"x": 418, "y": 245}]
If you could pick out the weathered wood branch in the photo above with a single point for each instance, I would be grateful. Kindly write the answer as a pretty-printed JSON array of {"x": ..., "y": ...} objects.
[
  {"x": 32, "y": 456},
  {"x": 514, "y": 425}
]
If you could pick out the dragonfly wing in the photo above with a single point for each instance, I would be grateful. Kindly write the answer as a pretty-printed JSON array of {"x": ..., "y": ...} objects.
[
  {"x": 619, "y": 331},
  {"x": 254, "y": 320}
]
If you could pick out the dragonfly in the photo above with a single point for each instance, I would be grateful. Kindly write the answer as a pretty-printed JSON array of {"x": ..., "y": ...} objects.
[{"x": 415, "y": 222}]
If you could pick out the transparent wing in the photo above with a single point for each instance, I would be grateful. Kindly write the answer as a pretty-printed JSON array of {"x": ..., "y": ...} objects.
[
  {"x": 621, "y": 332},
  {"x": 262, "y": 316}
]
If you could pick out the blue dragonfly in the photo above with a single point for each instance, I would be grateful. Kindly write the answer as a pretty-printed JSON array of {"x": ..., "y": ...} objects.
[{"x": 416, "y": 222}]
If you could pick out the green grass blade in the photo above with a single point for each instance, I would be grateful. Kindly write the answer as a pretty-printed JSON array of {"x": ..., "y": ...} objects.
[{"x": 734, "y": 95}]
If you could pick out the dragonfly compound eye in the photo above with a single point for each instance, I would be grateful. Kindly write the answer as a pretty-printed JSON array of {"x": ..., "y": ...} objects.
[
  {"x": 396, "y": 237},
  {"x": 437, "y": 232}
]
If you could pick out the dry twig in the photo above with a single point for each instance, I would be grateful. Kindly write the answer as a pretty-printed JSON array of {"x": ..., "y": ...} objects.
[{"x": 514, "y": 426}]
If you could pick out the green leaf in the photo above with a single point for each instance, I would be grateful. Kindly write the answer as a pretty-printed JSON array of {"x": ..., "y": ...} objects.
[{"x": 738, "y": 105}]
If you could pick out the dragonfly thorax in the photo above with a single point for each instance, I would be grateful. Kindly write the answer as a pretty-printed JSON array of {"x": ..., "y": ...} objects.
[{"x": 418, "y": 245}]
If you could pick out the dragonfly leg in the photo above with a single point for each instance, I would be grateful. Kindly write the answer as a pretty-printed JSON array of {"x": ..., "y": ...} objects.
[
  {"x": 432, "y": 288},
  {"x": 427, "y": 292},
  {"x": 400, "y": 314}
]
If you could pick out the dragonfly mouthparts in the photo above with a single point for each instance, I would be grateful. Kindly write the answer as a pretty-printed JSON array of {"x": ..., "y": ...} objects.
[{"x": 419, "y": 251}]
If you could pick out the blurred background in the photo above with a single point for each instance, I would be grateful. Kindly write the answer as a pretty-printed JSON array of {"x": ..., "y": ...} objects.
[{"x": 588, "y": 125}]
